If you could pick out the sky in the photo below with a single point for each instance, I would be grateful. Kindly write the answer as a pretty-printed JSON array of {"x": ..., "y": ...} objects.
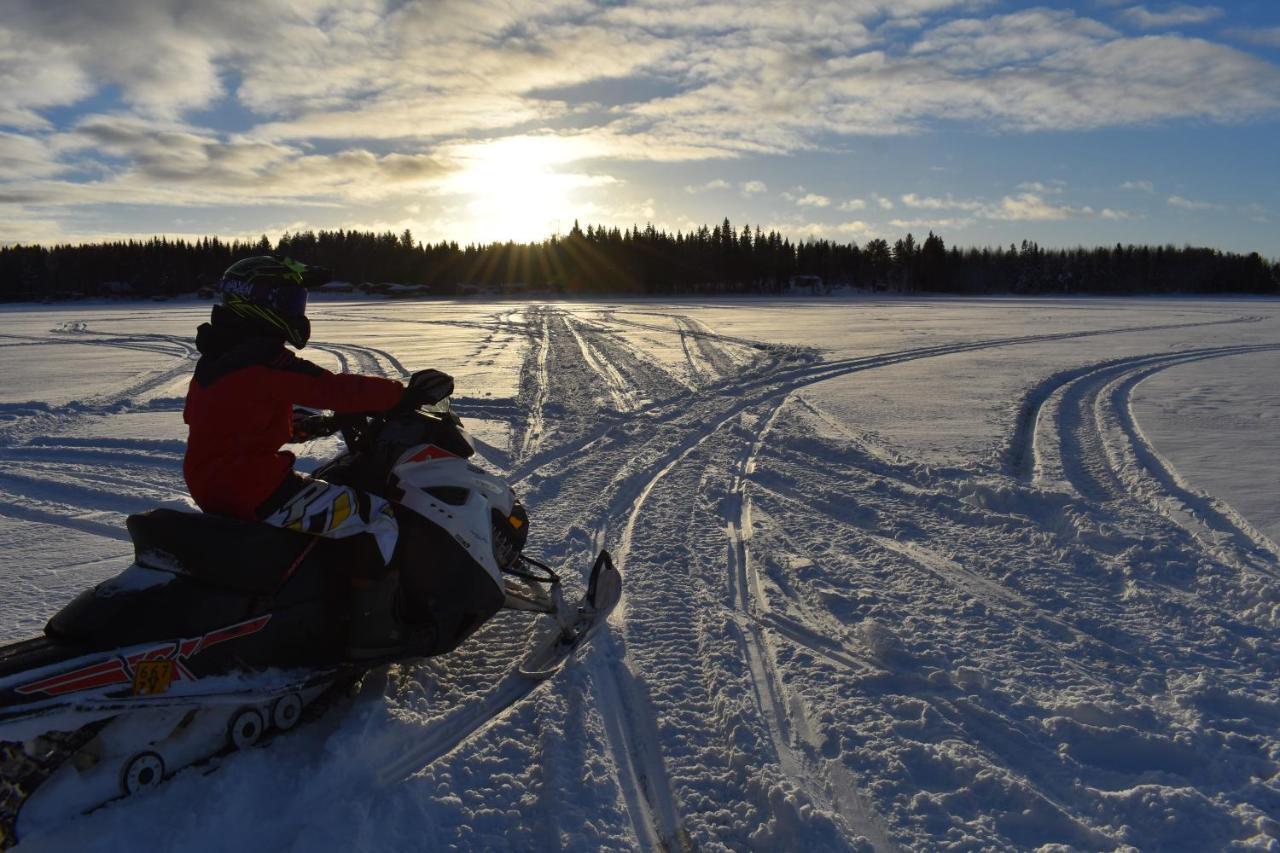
[{"x": 1088, "y": 123}]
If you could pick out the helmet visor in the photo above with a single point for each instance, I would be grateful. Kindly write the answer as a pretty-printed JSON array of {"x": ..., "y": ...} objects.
[{"x": 290, "y": 301}]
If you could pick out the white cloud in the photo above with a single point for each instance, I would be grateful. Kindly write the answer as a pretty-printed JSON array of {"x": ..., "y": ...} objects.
[
  {"x": 750, "y": 188},
  {"x": 1257, "y": 213},
  {"x": 1141, "y": 186},
  {"x": 1188, "y": 204},
  {"x": 853, "y": 204},
  {"x": 1031, "y": 207},
  {"x": 885, "y": 203},
  {"x": 1026, "y": 206},
  {"x": 948, "y": 203},
  {"x": 931, "y": 224},
  {"x": 813, "y": 200},
  {"x": 1054, "y": 186},
  {"x": 26, "y": 157},
  {"x": 716, "y": 184},
  {"x": 1264, "y": 36},
  {"x": 1177, "y": 15},
  {"x": 840, "y": 231}
]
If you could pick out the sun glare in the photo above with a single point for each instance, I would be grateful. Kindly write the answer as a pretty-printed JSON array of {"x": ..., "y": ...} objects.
[{"x": 514, "y": 190}]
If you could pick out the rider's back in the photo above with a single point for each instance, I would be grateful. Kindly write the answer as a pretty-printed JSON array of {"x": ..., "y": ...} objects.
[{"x": 239, "y": 412}]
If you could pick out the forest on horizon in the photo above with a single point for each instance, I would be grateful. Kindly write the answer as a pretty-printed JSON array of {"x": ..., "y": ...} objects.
[{"x": 638, "y": 261}]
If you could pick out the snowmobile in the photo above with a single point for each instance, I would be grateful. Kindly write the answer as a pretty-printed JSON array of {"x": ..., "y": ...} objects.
[{"x": 223, "y": 633}]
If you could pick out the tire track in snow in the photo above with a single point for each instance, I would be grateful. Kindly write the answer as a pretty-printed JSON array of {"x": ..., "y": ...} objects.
[
  {"x": 355, "y": 358},
  {"x": 644, "y": 377},
  {"x": 1079, "y": 425},
  {"x": 788, "y": 729},
  {"x": 711, "y": 348},
  {"x": 532, "y": 396},
  {"x": 637, "y": 751},
  {"x": 26, "y": 422},
  {"x": 13, "y": 507},
  {"x": 624, "y": 398},
  {"x": 441, "y": 737},
  {"x": 697, "y": 378},
  {"x": 1163, "y": 486}
]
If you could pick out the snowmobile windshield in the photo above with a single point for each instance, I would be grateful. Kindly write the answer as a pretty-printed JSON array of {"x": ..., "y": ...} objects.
[{"x": 441, "y": 407}]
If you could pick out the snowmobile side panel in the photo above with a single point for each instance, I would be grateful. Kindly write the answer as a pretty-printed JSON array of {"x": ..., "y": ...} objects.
[{"x": 441, "y": 583}]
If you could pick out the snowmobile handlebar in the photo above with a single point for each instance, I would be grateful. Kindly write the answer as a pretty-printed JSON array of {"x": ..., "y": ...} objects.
[{"x": 357, "y": 428}]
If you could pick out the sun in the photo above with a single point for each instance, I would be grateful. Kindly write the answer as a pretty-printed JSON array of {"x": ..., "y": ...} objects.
[{"x": 514, "y": 190}]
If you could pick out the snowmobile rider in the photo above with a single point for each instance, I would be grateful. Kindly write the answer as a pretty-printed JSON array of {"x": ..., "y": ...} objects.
[{"x": 239, "y": 411}]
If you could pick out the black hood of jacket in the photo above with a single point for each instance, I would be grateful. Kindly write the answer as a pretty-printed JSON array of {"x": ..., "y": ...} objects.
[{"x": 227, "y": 343}]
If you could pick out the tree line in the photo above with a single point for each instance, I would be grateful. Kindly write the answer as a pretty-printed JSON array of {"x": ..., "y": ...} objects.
[{"x": 601, "y": 260}]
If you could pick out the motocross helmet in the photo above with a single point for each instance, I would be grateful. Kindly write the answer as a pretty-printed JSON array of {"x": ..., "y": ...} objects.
[{"x": 272, "y": 294}]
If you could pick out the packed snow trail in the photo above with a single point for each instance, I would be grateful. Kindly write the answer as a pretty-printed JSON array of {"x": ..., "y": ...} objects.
[{"x": 823, "y": 644}]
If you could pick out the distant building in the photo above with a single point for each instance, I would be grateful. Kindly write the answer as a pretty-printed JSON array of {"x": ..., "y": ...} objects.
[
  {"x": 813, "y": 282},
  {"x": 115, "y": 288}
]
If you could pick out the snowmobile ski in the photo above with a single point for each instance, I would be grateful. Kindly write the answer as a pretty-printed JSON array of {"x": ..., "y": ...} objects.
[{"x": 575, "y": 625}]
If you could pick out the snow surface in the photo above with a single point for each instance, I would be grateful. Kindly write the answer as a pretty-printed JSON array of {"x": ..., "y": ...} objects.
[{"x": 900, "y": 574}]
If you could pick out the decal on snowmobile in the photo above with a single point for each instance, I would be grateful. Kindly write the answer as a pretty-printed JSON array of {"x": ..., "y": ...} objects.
[
  {"x": 431, "y": 452},
  {"x": 122, "y": 670}
]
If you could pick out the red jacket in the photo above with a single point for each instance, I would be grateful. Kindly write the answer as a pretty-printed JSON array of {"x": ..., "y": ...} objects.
[{"x": 240, "y": 411}]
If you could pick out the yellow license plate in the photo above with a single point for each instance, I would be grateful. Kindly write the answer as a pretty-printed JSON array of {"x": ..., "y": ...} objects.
[{"x": 151, "y": 677}]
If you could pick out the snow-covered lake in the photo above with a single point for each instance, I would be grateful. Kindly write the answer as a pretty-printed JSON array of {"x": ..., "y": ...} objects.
[{"x": 900, "y": 574}]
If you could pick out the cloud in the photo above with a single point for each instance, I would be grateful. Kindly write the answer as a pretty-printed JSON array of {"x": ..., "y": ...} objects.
[
  {"x": 803, "y": 198},
  {"x": 840, "y": 231},
  {"x": 746, "y": 188},
  {"x": 159, "y": 162},
  {"x": 921, "y": 224},
  {"x": 1141, "y": 186},
  {"x": 948, "y": 203},
  {"x": 161, "y": 55},
  {"x": 1033, "y": 208},
  {"x": 1026, "y": 206},
  {"x": 853, "y": 204},
  {"x": 717, "y": 184},
  {"x": 1053, "y": 187},
  {"x": 813, "y": 200},
  {"x": 1177, "y": 15},
  {"x": 1262, "y": 36},
  {"x": 1257, "y": 213},
  {"x": 26, "y": 157},
  {"x": 1187, "y": 204}
]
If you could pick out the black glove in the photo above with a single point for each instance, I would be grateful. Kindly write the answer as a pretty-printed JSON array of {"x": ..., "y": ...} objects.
[
  {"x": 429, "y": 386},
  {"x": 308, "y": 425}
]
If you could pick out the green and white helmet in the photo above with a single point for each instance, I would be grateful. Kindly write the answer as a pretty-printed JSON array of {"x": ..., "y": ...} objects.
[{"x": 271, "y": 293}]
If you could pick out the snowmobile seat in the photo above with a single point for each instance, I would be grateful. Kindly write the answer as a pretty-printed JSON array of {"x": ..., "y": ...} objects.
[{"x": 242, "y": 555}]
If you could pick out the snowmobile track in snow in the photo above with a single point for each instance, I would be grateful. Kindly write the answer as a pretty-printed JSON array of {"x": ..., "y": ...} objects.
[{"x": 1078, "y": 426}]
